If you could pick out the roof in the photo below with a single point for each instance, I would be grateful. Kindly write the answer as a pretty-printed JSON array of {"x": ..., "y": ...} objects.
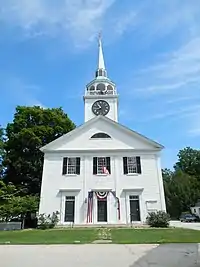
[{"x": 119, "y": 126}]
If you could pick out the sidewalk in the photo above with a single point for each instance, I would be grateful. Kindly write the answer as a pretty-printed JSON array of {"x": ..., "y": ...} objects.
[
  {"x": 169, "y": 255},
  {"x": 193, "y": 226}
]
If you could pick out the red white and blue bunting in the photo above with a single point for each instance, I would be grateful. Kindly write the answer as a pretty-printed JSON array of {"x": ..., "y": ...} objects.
[{"x": 101, "y": 195}]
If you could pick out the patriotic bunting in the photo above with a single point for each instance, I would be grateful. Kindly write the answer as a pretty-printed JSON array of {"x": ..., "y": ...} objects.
[{"x": 101, "y": 195}]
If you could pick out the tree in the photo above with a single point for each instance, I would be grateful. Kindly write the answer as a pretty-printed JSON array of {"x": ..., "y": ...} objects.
[
  {"x": 32, "y": 128},
  {"x": 182, "y": 186},
  {"x": 7, "y": 191},
  {"x": 181, "y": 192},
  {"x": 21, "y": 206},
  {"x": 167, "y": 174},
  {"x": 189, "y": 161},
  {"x": 13, "y": 205},
  {"x": 1, "y": 151}
]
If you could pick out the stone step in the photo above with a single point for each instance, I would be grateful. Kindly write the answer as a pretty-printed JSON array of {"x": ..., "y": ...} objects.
[{"x": 136, "y": 225}]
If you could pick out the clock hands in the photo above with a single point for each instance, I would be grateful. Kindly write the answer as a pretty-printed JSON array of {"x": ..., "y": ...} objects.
[{"x": 98, "y": 105}]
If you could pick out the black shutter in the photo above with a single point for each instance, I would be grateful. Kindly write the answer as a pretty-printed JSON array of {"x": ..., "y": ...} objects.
[
  {"x": 108, "y": 164},
  {"x": 64, "y": 170},
  {"x": 138, "y": 165},
  {"x": 78, "y": 161},
  {"x": 95, "y": 165},
  {"x": 125, "y": 165}
]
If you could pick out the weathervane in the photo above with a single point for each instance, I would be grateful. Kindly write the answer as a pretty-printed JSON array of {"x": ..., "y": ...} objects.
[{"x": 99, "y": 36}]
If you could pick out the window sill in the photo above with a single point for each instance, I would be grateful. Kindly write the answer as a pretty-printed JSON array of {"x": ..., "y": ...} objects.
[
  {"x": 72, "y": 175},
  {"x": 102, "y": 174},
  {"x": 132, "y": 174}
]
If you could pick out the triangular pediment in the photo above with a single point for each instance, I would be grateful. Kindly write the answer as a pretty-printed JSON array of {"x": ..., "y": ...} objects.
[{"x": 121, "y": 138}]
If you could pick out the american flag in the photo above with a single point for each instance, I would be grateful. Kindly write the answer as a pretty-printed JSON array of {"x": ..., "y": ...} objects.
[
  {"x": 90, "y": 206},
  {"x": 105, "y": 170},
  {"x": 118, "y": 208},
  {"x": 118, "y": 204}
]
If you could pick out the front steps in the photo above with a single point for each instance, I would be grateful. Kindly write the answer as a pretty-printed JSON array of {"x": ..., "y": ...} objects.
[{"x": 133, "y": 225}]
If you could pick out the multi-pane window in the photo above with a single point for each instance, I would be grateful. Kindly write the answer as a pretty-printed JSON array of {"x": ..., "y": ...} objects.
[
  {"x": 101, "y": 165},
  {"x": 71, "y": 165},
  {"x": 133, "y": 197},
  {"x": 132, "y": 165}
]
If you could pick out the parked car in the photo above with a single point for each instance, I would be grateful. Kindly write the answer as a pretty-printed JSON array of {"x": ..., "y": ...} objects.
[{"x": 189, "y": 218}]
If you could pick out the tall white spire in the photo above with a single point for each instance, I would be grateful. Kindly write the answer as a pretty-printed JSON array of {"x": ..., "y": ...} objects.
[
  {"x": 101, "y": 70},
  {"x": 101, "y": 64}
]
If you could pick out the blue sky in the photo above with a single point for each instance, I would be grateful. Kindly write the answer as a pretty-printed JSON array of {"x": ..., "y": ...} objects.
[{"x": 48, "y": 53}]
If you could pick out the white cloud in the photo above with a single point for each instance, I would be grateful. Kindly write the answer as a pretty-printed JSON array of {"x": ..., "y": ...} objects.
[
  {"x": 80, "y": 19},
  {"x": 183, "y": 112},
  {"x": 164, "y": 17},
  {"x": 164, "y": 88},
  {"x": 177, "y": 77},
  {"x": 129, "y": 20},
  {"x": 177, "y": 99},
  {"x": 178, "y": 69}
]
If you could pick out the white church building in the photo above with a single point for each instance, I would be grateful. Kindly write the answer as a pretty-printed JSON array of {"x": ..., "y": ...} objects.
[{"x": 102, "y": 172}]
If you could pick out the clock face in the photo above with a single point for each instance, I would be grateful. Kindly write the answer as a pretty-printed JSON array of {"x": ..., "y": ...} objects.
[{"x": 100, "y": 107}]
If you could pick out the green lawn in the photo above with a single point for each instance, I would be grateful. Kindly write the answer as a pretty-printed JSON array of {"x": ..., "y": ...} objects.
[
  {"x": 56, "y": 236},
  {"x": 118, "y": 236},
  {"x": 154, "y": 236}
]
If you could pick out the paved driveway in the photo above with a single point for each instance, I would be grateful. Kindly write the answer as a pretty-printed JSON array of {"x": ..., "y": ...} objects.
[
  {"x": 72, "y": 255},
  {"x": 194, "y": 226},
  {"x": 110, "y": 255}
]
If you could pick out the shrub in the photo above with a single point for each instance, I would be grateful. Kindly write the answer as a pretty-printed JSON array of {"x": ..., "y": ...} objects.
[
  {"x": 48, "y": 221},
  {"x": 158, "y": 219}
]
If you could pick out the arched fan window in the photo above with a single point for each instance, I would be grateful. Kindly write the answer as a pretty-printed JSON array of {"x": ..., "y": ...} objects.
[
  {"x": 101, "y": 135},
  {"x": 101, "y": 87},
  {"x": 92, "y": 88},
  {"x": 109, "y": 87}
]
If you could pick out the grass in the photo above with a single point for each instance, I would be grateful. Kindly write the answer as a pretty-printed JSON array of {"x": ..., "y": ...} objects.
[
  {"x": 118, "y": 236},
  {"x": 155, "y": 236},
  {"x": 53, "y": 236}
]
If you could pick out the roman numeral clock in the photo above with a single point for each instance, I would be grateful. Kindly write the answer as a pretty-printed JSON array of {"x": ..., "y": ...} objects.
[{"x": 100, "y": 107}]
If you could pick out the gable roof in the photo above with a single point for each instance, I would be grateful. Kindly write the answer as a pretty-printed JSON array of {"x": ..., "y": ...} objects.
[{"x": 108, "y": 120}]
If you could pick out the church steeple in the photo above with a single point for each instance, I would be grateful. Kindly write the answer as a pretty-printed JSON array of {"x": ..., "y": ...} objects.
[
  {"x": 101, "y": 96},
  {"x": 101, "y": 70}
]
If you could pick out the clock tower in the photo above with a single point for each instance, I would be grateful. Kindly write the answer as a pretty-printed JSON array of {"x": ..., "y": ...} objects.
[{"x": 101, "y": 97}]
